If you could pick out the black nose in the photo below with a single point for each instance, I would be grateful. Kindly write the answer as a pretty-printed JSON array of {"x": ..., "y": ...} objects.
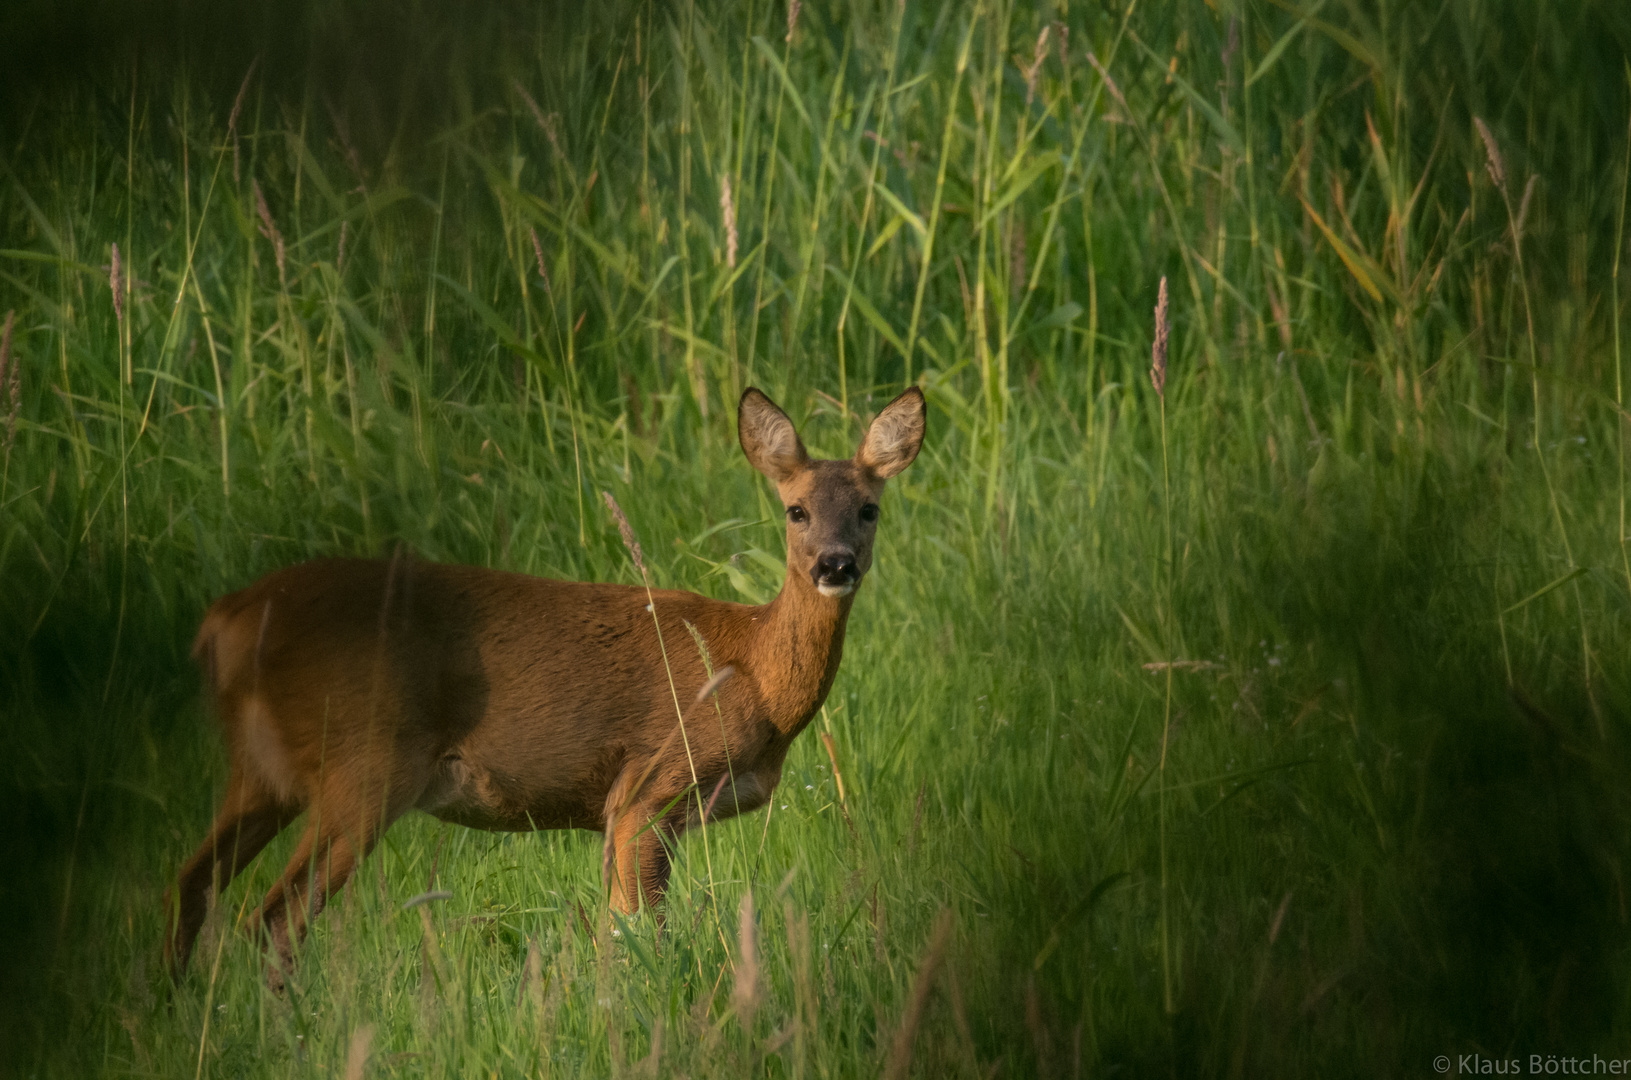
[{"x": 834, "y": 568}]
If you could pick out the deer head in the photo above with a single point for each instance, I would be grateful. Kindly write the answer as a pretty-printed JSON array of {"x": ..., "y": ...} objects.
[{"x": 832, "y": 506}]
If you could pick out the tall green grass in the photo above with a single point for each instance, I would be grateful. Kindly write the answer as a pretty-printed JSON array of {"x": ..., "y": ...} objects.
[{"x": 1273, "y": 726}]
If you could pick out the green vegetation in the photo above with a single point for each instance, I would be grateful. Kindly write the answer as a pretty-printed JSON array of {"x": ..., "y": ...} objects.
[{"x": 1280, "y": 726}]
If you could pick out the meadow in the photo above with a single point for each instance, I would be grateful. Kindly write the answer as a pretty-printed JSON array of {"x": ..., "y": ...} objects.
[{"x": 1272, "y": 721}]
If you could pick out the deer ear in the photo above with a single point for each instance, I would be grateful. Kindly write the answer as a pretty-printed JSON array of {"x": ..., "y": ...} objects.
[
  {"x": 894, "y": 436},
  {"x": 768, "y": 438}
]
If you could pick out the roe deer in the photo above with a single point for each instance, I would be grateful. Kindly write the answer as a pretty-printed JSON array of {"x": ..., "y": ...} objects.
[{"x": 354, "y": 690}]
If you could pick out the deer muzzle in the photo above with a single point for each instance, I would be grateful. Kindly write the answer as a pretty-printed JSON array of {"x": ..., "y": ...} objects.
[{"x": 835, "y": 573}]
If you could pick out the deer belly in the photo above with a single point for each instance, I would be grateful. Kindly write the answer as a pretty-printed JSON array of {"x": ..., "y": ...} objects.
[
  {"x": 739, "y": 794},
  {"x": 468, "y": 793}
]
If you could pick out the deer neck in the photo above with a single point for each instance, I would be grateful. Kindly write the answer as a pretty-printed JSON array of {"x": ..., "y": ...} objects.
[{"x": 797, "y": 652}]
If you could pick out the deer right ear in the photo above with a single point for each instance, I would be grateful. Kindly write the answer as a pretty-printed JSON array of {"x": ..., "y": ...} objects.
[{"x": 768, "y": 439}]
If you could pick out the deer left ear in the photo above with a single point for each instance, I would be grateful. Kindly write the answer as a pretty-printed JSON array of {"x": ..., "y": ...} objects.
[{"x": 894, "y": 436}]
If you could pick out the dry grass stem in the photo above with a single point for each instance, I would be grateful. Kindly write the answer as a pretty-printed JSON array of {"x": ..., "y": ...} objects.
[
  {"x": 900, "y": 1054},
  {"x": 1183, "y": 665},
  {"x": 627, "y": 531},
  {"x": 713, "y": 800},
  {"x": 11, "y": 379},
  {"x": 339, "y": 258},
  {"x": 5, "y": 346},
  {"x": 1232, "y": 44},
  {"x": 585, "y": 925},
  {"x": 1279, "y": 918},
  {"x": 1523, "y": 208},
  {"x": 356, "y": 1057},
  {"x": 1158, "y": 350},
  {"x": 727, "y": 208},
  {"x": 1492, "y": 160},
  {"x": 608, "y": 849},
  {"x": 745, "y": 995},
  {"x": 832, "y": 756},
  {"x": 719, "y": 679}
]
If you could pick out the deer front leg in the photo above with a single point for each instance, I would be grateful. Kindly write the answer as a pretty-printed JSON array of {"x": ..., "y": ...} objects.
[{"x": 638, "y": 861}]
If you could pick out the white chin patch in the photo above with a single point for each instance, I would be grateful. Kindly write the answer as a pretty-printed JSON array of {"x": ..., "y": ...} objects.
[{"x": 836, "y": 591}]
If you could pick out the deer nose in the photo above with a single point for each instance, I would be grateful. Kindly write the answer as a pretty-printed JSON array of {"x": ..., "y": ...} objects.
[{"x": 835, "y": 568}]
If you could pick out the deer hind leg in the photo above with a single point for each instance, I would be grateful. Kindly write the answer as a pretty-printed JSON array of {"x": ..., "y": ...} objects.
[
  {"x": 344, "y": 825},
  {"x": 248, "y": 820}
]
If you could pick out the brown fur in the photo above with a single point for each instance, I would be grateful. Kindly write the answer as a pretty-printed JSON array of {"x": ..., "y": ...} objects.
[{"x": 355, "y": 690}]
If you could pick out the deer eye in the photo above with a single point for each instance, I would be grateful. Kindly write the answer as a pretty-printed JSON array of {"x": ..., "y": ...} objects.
[
  {"x": 869, "y": 512},
  {"x": 796, "y": 515}
]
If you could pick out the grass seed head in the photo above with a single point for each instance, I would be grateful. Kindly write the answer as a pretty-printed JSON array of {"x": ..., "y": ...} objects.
[
  {"x": 115, "y": 279},
  {"x": 545, "y": 122},
  {"x": 793, "y": 17},
  {"x": 538, "y": 253},
  {"x": 1033, "y": 73},
  {"x": 728, "y": 208},
  {"x": 1492, "y": 152},
  {"x": 238, "y": 102},
  {"x": 623, "y": 527},
  {"x": 707, "y": 657},
  {"x": 232, "y": 118},
  {"x": 1109, "y": 83},
  {"x": 269, "y": 229},
  {"x": 1158, "y": 350}
]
